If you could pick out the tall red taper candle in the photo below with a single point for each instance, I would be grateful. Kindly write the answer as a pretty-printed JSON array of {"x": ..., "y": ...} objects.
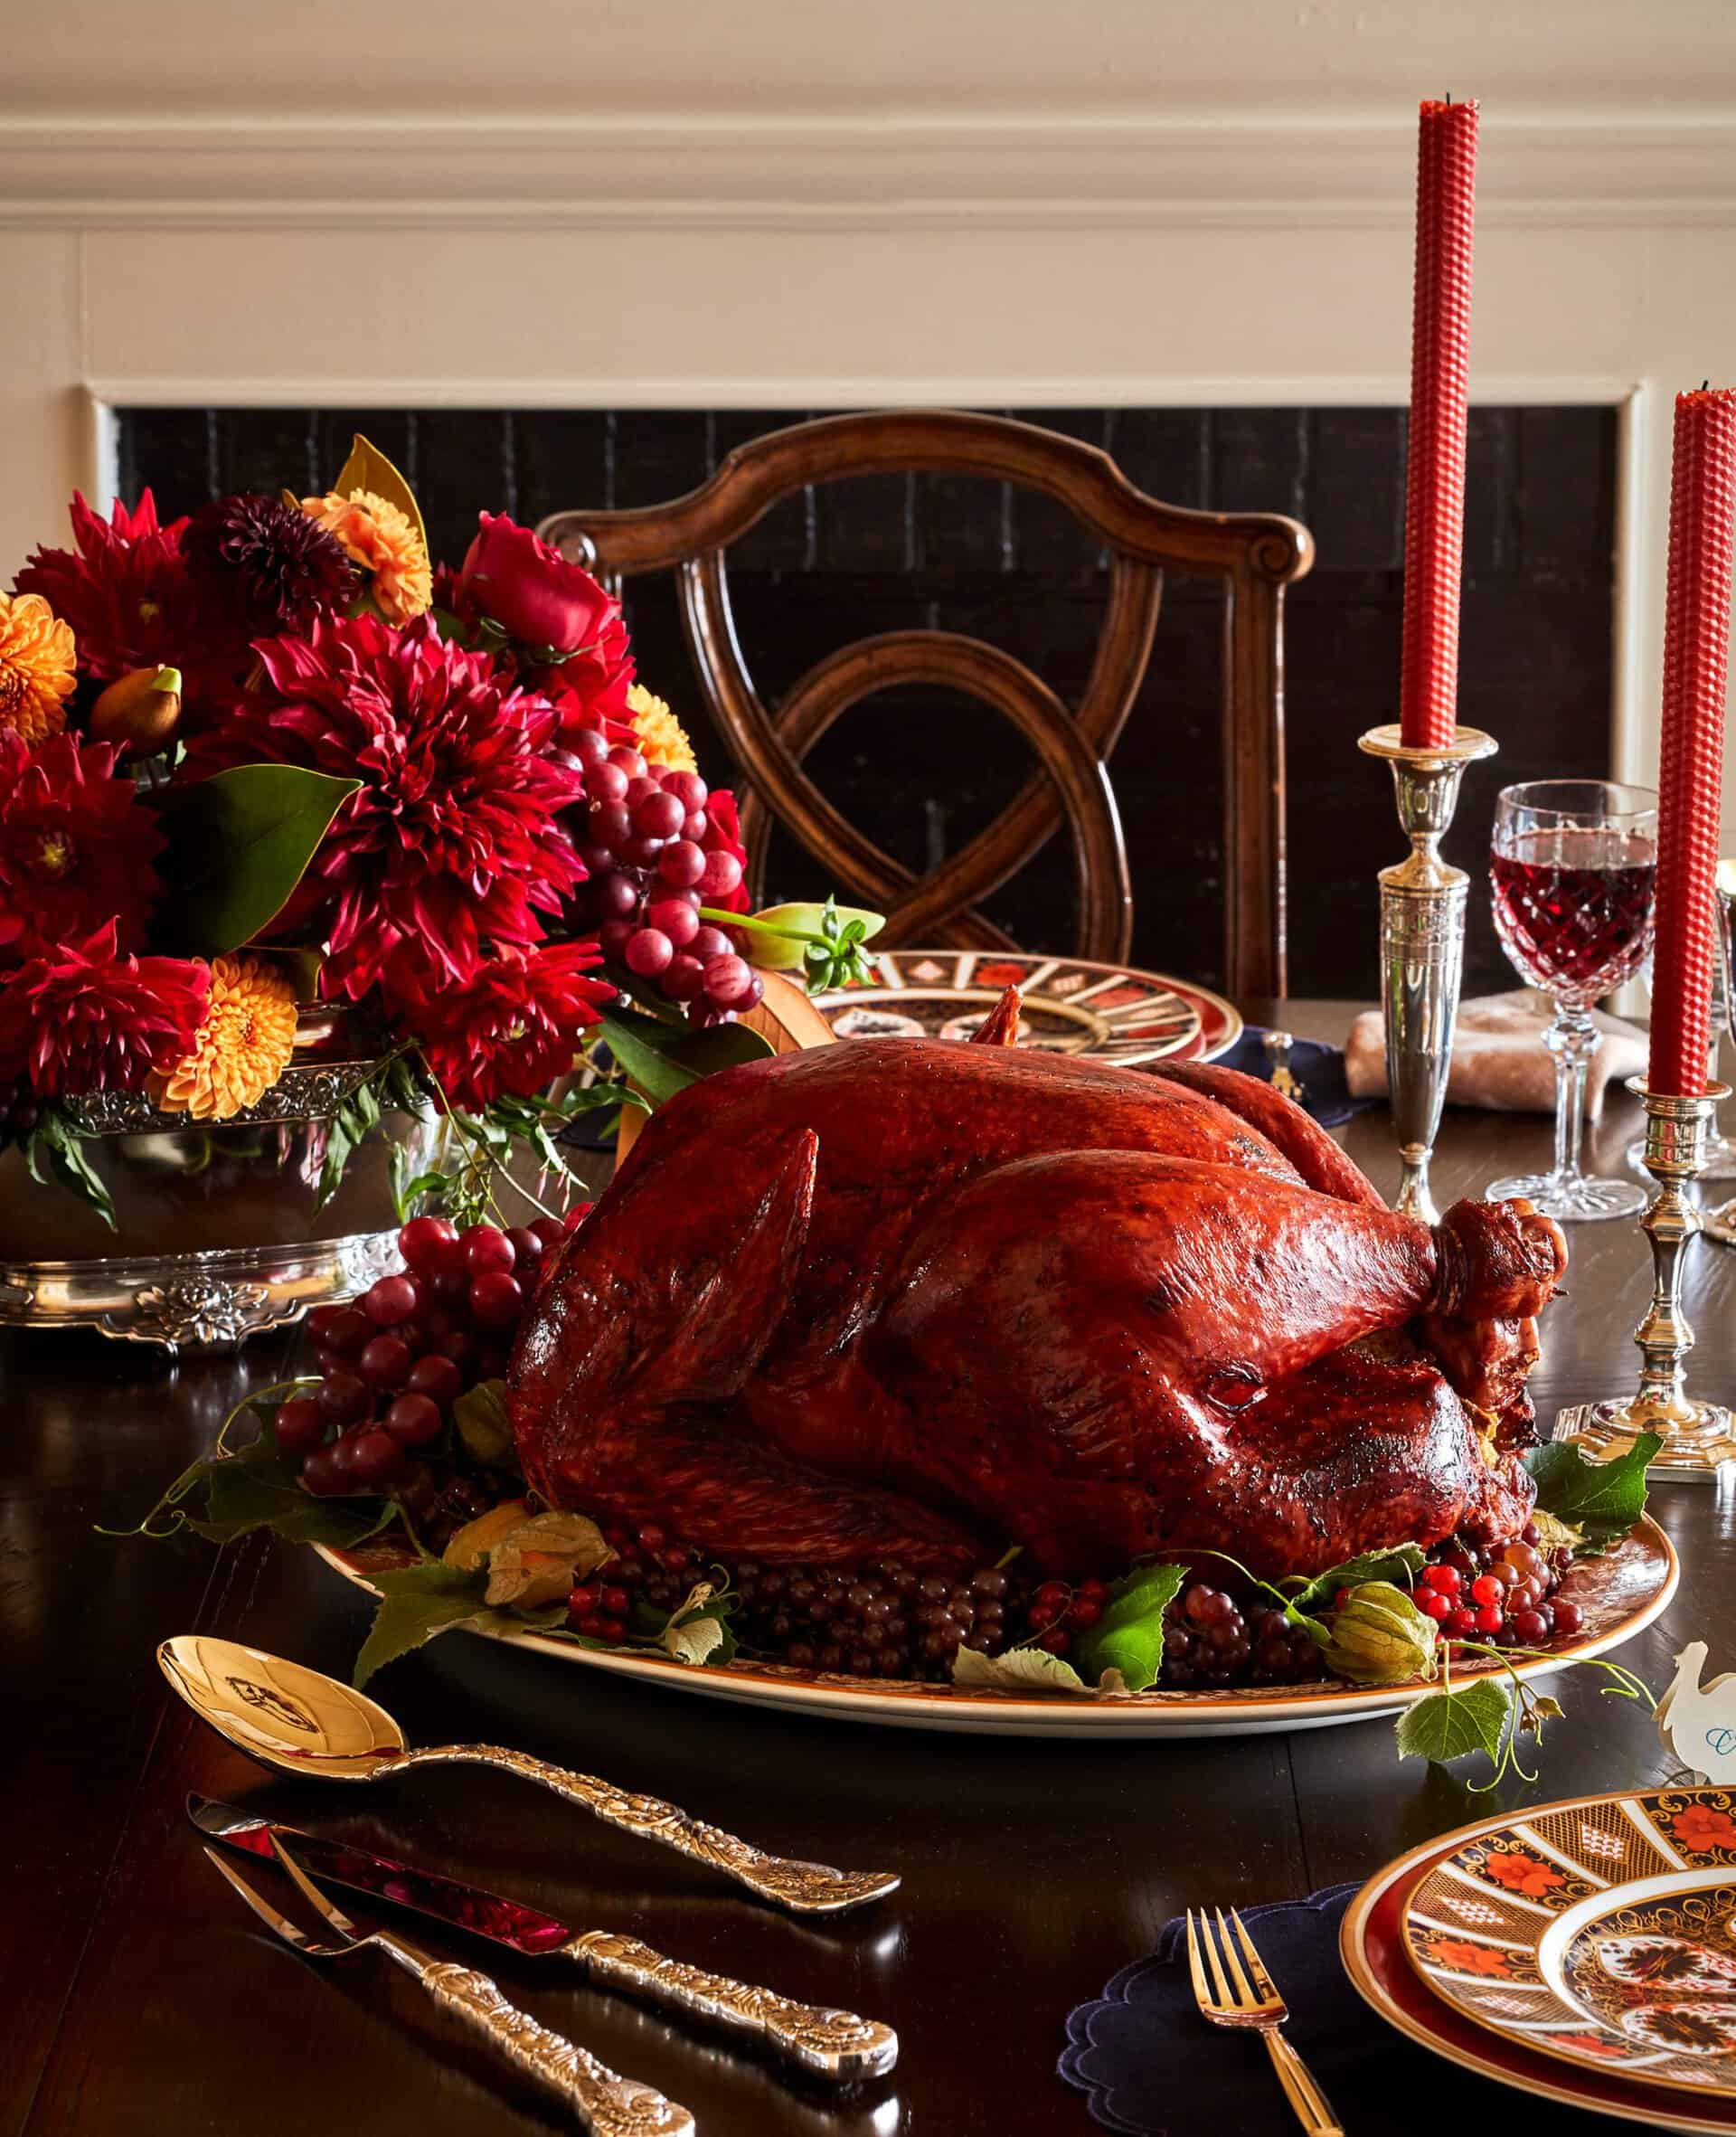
[
  {"x": 1690, "y": 759},
  {"x": 1440, "y": 370}
]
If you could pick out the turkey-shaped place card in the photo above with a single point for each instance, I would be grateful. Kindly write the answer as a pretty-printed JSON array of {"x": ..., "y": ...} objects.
[{"x": 1698, "y": 1721}]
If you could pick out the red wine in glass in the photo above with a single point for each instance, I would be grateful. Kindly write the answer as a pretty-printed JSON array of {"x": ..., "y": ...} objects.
[{"x": 1573, "y": 908}]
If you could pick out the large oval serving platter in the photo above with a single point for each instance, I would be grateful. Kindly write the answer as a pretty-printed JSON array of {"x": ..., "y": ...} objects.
[
  {"x": 1072, "y": 1005},
  {"x": 1619, "y": 1593}
]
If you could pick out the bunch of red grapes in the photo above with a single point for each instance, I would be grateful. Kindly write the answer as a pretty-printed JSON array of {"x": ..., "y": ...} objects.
[
  {"x": 654, "y": 857},
  {"x": 392, "y": 1362}
]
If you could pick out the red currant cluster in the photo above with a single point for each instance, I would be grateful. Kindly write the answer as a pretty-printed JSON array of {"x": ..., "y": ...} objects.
[
  {"x": 392, "y": 1362},
  {"x": 1506, "y": 1596},
  {"x": 655, "y": 856},
  {"x": 1059, "y": 1612},
  {"x": 648, "y": 1566}
]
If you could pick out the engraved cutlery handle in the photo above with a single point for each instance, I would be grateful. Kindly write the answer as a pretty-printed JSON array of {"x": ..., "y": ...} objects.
[
  {"x": 606, "y": 2105},
  {"x": 837, "y": 2043},
  {"x": 804, "y": 1887}
]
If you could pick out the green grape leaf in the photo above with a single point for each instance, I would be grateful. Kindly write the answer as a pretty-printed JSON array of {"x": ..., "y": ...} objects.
[
  {"x": 419, "y": 1603},
  {"x": 1602, "y": 1499},
  {"x": 1130, "y": 1635},
  {"x": 1393, "y": 1566},
  {"x": 257, "y": 1487},
  {"x": 1448, "y": 1724},
  {"x": 239, "y": 843}
]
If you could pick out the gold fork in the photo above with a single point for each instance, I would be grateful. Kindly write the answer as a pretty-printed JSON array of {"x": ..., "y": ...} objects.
[{"x": 1254, "y": 2003}]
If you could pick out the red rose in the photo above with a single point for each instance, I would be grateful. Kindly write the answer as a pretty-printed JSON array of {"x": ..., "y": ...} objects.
[{"x": 531, "y": 591}]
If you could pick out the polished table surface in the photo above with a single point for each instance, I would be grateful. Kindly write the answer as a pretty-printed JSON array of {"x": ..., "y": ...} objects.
[{"x": 137, "y": 1996}]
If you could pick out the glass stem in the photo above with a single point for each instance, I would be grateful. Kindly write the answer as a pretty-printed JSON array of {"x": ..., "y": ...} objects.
[{"x": 1573, "y": 1039}]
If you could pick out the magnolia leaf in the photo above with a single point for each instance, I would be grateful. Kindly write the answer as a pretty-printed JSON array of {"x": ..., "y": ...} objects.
[
  {"x": 1601, "y": 1498},
  {"x": 1369, "y": 1565},
  {"x": 301, "y": 969},
  {"x": 1019, "y": 1670},
  {"x": 1130, "y": 1635},
  {"x": 1446, "y": 1724},
  {"x": 368, "y": 468},
  {"x": 239, "y": 843},
  {"x": 484, "y": 1426},
  {"x": 53, "y": 1150},
  {"x": 662, "y": 1060}
]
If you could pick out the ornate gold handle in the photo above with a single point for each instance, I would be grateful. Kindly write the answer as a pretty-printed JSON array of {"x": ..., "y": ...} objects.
[
  {"x": 837, "y": 2043},
  {"x": 804, "y": 1887},
  {"x": 606, "y": 2105}
]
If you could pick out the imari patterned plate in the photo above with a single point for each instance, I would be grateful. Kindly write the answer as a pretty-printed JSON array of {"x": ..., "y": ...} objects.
[
  {"x": 1109, "y": 1012},
  {"x": 1603, "y": 1932}
]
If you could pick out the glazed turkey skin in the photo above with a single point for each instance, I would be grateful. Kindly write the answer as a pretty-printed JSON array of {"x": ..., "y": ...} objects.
[{"x": 904, "y": 1298}]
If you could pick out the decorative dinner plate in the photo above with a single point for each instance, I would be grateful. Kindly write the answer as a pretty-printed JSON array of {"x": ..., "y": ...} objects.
[
  {"x": 1603, "y": 1932},
  {"x": 1371, "y": 1943},
  {"x": 1110, "y": 1012},
  {"x": 1619, "y": 1594}
]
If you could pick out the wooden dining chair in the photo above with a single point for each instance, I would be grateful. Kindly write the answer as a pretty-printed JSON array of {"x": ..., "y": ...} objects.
[{"x": 1253, "y": 555}]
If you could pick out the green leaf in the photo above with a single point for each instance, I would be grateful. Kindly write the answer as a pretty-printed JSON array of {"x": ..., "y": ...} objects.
[
  {"x": 1019, "y": 1670},
  {"x": 368, "y": 468},
  {"x": 257, "y": 1487},
  {"x": 1369, "y": 1565},
  {"x": 480, "y": 1416},
  {"x": 662, "y": 1061},
  {"x": 54, "y": 1150},
  {"x": 1601, "y": 1498},
  {"x": 1446, "y": 1724},
  {"x": 239, "y": 843},
  {"x": 1130, "y": 1635},
  {"x": 421, "y": 1601}
]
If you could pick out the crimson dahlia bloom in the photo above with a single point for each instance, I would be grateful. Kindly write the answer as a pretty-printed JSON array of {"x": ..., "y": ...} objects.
[
  {"x": 127, "y": 593},
  {"x": 76, "y": 846},
  {"x": 86, "y": 1017},
  {"x": 515, "y": 1026},
  {"x": 454, "y": 842}
]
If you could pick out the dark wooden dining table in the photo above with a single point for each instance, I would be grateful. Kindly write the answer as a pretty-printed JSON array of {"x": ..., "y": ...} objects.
[{"x": 137, "y": 1996}]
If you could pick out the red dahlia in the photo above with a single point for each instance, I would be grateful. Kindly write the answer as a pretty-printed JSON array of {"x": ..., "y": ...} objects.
[
  {"x": 76, "y": 846},
  {"x": 85, "y": 1017},
  {"x": 454, "y": 841},
  {"x": 269, "y": 562},
  {"x": 515, "y": 1028},
  {"x": 127, "y": 593}
]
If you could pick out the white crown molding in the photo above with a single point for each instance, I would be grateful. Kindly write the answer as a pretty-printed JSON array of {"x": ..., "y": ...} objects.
[{"x": 1014, "y": 171}]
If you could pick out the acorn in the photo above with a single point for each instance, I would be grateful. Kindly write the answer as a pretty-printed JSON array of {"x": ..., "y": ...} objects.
[{"x": 140, "y": 711}]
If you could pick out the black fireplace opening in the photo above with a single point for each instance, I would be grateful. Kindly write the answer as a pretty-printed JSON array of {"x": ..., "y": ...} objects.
[{"x": 922, "y": 770}]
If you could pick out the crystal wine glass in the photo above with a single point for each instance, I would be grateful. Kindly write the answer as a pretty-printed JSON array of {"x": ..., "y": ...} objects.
[{"x": 1573, "y": 871}]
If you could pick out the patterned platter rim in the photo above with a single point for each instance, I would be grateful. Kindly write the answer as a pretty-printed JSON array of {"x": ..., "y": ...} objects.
[
  {"x": 1371, "y": 1948},
  {"x": 1557, "y": 2019},
  {"x": 1207, "y": 1026},
  {"x": 1642, "y": 1571}
]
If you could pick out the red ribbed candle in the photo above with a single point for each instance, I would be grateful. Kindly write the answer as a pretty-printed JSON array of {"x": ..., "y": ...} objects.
[
  {"x": 1441, "y": 373},
  {"x": 1690, "y": 759}
]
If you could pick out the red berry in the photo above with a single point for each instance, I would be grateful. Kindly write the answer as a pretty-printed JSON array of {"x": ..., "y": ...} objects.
[
  {"x": 591, "y": 1625},
  {"x": 652, "y": 1538},
  {"x": 1433, "y": 1605},
  {"x": 1084, "y": 1614},
  {"x": 527, "y": 1245},
  {"x": 1461, "y": 1624},
  {"x": 659, "y": 816},
  {"x": 1489, "y": 1617},
  {"x": 606, "y": 782},
  {"x": 1529, "y": 1626},
  {"x": 486, "y": 1247},
  {"x": 1485, "y": 1589},
  {"x": 617, "y": 1601},
  {"x": 427, "y": 1244},
  {"x": 675, "y": 918},
  {"x": 459, "y": 1345},
  {"x": 497, "y": 1298},
  {"x": 392, "y": 1300},
  {"x": 1055, "y": 1592},
  {"x": 710, "y": 943},
  {"x": 1056, "y": 1642},
  {"x": 413, "y": 1419},
  {"x": 615, "y": 896},
  {"x": 677, "y": 1558},
  {"x": 375, "y": 1458},
  {"x": 582, "y": 1598},
  {"x": 1042, "y": 1614},
  {"x": 723, "y": 875},
  {"x": 549, "y": 1232},
  {"x": 1446, "y": 1580},
  {"x": 681, "y": 864},
  {"x": 437, "y": 1377},
  {"x": 612, "y": 1628},
  {"x": 343, "y": 1398},
  {"x": 386, "y": 1362},
  {"x": 299, "y": 1424},
  {"x": 726, "y": 979},
  {"x": 323, "y": 1474},
  {"x": 1093, "y": 1591},
  {"x": 452, "y": 1283},
  {"x": 630, "y": 761},
  {"x": 321, "y": 1319},
  {"x": 648, "y": 952},
  {"x": 1568, "y": 1617},
  {"x": 684, "y": 978},
  {"x": 345, "y": 1333},
  {"x": 589, "y": 744},
  {"x": 614, "y": 935},
  {"x": 687, "y": 787}
]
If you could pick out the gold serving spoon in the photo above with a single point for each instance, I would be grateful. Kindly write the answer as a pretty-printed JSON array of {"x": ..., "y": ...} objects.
[{"x": 304, "y": 1723}]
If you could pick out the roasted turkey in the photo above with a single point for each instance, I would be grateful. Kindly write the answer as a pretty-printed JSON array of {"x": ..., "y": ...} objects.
[{"x": 907, "y": 1299}]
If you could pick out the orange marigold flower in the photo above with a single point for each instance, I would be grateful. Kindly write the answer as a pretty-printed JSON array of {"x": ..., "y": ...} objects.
[
  {"x": 241, "y": 1049},
  {"x": 1700, "y": 1826},
  {"x": 657, "y": 735},
  {"x": 1524, "y": 1873},
  {"x": 36, "y": 655},
  {"x": 1468, "y": 1958},
  {"x": 382, "y": 541}
]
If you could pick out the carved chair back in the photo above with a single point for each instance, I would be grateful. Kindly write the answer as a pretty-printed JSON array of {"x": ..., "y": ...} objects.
[{"x": 1253, "y": 555}]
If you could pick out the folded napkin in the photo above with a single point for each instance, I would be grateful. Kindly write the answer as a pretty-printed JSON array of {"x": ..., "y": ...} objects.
[
  {"x": 1319, "y": 1069},
  {"x": 1499, "y": 1058},
  {"x": 1151, "y": 2066}
]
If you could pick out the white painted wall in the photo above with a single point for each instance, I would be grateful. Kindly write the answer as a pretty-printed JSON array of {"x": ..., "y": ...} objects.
[{"x": 812, "y": 202}]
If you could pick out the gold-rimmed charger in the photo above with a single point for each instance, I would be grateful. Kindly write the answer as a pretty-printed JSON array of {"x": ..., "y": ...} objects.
[
  {"x": 1113, "y": 1013},
  {"x": 1372, "y": 1947}
]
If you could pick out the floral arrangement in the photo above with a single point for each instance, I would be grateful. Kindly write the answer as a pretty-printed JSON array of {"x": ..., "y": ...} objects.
[{"x": 271, "y": 752}]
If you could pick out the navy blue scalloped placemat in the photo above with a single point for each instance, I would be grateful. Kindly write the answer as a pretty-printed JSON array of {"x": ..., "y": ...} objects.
[
  {"x": 1151, "y": 2066},
  {"x": 1317, "y": 1067}
]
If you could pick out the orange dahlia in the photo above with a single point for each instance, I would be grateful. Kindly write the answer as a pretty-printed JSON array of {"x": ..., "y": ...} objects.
[
  {"x": 241, "y": 1049},
  {"x": 35, "y": 666},
  {"x": 657, "y": 735},
  {"x": 378, "y": 537}
]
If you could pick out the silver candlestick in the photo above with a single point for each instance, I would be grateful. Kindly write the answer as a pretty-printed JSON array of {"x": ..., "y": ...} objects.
[
  {"x": 1697, "y": 1437},
  {"x": 1422, "y": 947}
]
